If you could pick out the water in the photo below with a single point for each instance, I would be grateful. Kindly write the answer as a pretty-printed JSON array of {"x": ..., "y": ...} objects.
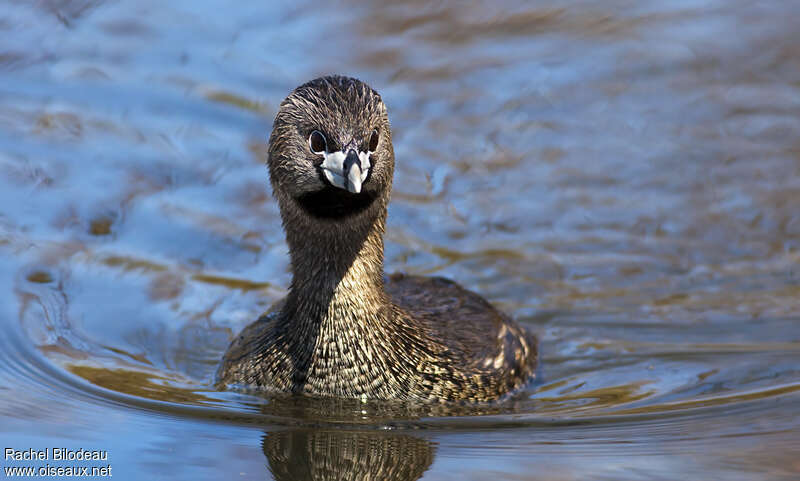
[{"x": 623, "y": 178}]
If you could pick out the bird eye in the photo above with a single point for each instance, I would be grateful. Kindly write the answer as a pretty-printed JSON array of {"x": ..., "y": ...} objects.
[
  {"x": 373, "y": 140},
  {"x": 317, "y": 142}
]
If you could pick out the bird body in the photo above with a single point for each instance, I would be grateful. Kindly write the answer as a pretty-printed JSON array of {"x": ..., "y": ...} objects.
[{"x": 345, "y": 330}]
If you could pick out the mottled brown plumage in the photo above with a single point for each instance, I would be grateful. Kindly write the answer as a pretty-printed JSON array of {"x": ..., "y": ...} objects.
[{"x": 344, "y": 330}]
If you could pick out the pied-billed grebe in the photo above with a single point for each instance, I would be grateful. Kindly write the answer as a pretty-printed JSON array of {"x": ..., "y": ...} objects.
[{"x": 344, "y": 330}]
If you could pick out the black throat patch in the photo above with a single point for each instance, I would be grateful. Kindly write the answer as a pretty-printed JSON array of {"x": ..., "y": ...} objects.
[{"x": 335, "y": 203}]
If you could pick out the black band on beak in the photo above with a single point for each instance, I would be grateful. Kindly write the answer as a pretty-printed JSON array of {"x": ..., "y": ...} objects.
[{"x": 349, "y": 161}]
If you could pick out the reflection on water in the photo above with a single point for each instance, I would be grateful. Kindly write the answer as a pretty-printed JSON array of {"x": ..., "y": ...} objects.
[
  {"x": 622, "y": 177},
  {"x": 346, "y": 455}
]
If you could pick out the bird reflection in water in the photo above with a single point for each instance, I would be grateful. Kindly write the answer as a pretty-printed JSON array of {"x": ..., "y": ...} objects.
[{"x": 312, "y": 454}]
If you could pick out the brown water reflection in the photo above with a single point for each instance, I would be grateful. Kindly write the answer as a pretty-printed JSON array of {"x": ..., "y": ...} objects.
[
  {"x": 346, "y": 455},
  {"x": 623, "y": 177}
]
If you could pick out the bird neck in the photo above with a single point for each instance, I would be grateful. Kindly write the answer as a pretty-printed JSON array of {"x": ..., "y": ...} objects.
[{"x": 337, "y": 269}]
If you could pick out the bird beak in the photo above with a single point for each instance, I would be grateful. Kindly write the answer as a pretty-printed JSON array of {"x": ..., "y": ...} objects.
[
  {"x": 352, "y": 172},
  {"x": 346, "y": 170}
]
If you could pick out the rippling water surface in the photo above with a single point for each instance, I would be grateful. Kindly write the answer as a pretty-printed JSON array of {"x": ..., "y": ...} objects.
[{"x": 622, "y": 177}]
